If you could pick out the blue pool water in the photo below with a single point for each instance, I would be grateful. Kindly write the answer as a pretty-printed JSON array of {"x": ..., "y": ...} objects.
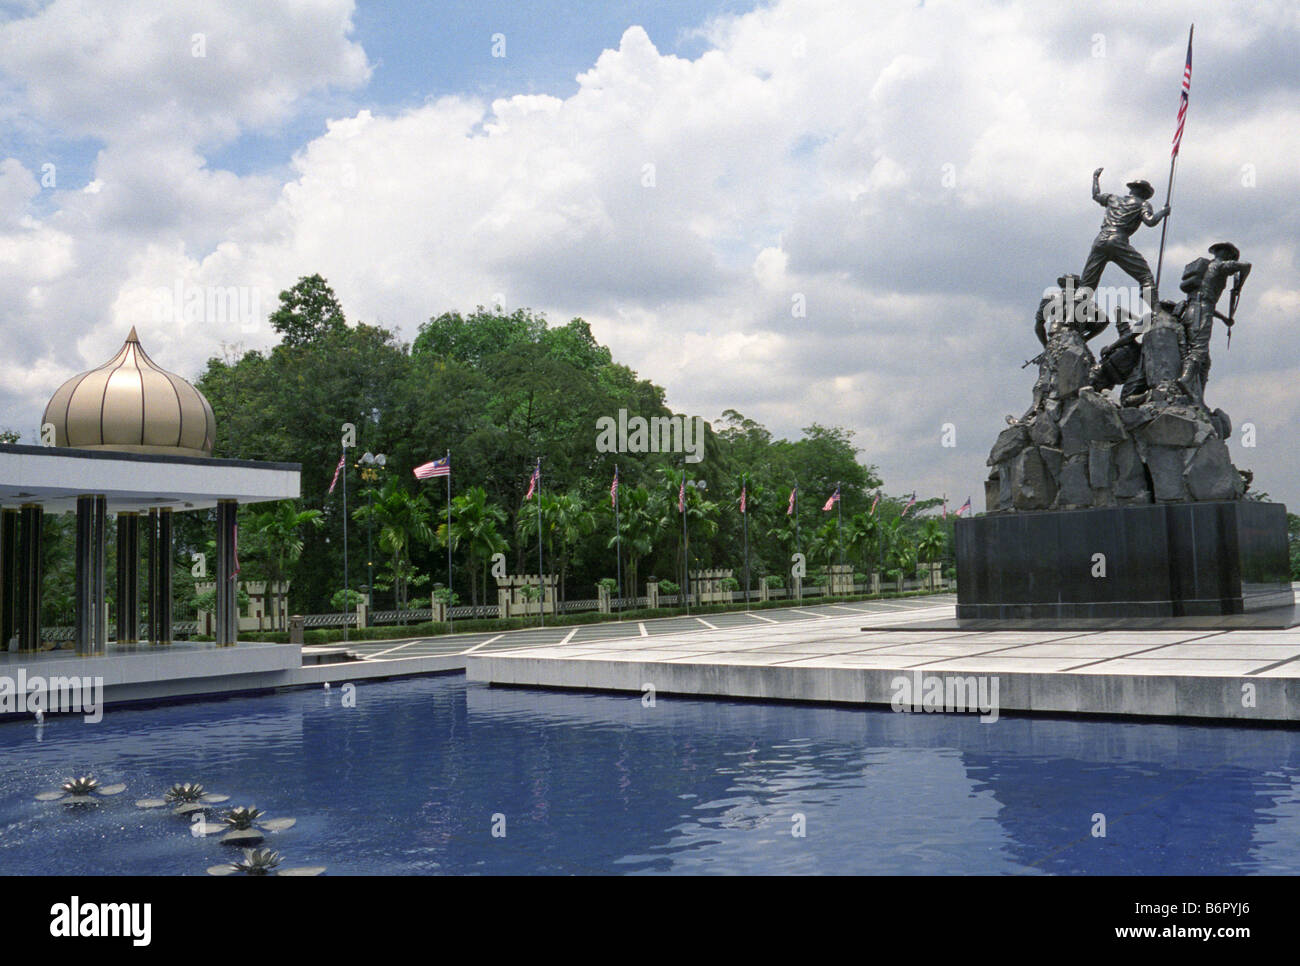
[{"x": 409, "y": 781}]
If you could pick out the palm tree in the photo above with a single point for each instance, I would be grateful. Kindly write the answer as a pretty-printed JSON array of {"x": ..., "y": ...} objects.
[
  {"x": 862, "y": 539},
  {"x": 930, "y": 544},
  {"x": 474, "y": 526},
  {"x": 281, "y": 528},
  {"x": 403, "y": 517},
  {"x": 640, "y": 522},
  {"x": 570, "y": 520},
  {"x": 700, "y": 515}
]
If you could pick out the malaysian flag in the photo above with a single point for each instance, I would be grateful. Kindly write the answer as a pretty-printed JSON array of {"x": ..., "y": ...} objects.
[
  {"x": 426, "y": 471},
  {"x": 613, "y": 489},
  {"x": 681, "y": 496},
  {"x": 835, "y": 498},
  {"x": 337, "y": 470},
  {"x": 964, "y": 507},
  {"x": 742, "y": 498},
  {"x": 910, "y": 503},
  {"x": 873, "y": 505},
  {"x": 1184, "y": 96},
  {"x": 532, "y": 483},
  {"x": 789, "y": 510}
]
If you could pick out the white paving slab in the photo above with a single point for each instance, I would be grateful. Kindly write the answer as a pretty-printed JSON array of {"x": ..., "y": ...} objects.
[{"x": 1197, "y": 674}]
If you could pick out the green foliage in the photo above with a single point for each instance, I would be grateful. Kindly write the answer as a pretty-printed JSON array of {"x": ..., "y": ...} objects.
[
  {"x": 346, "y": 600},
  {"x": 668, "y": 587},
  {"x": 499, "y": 389}
]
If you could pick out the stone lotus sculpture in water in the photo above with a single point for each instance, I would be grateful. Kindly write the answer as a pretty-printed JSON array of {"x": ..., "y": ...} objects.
[
  {"x": 185, "y": 799},
  {"x": 261, "y": 862},
  {"x": 80, "y": 791},
  {"x": 243, "y": 826}
]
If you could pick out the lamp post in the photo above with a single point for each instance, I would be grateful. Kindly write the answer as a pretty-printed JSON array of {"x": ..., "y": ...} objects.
[
  {"x": 372, "y": 465},
  {"x": 700, "y": 485}
]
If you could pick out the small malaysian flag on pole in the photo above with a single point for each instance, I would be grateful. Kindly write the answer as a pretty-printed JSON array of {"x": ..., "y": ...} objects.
[
  {"x": 532, "y": 482},
  {"x": 427, "y": 471},
  {"x": 613, "y": 489},
  {"x": 910, "y": 503},
  {"x": 873, "y": 505},
  {"x": 742, "y": 498},
  {"x": 337, "y": 470},
  {"x": 789, "y": 510},
  {"x": 681, "y": 495},
  {"x": 835, "y": 498},
  {"x": 964, "y": 507}
]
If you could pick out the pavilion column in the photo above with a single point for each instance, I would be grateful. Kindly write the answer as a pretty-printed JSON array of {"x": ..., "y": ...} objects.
[
  {"x": 8, "y": 576},
  {"x": 29, "y": 577},
  {"x": 151, "y": 548},
  {"x": 161, "y": 589},
  {"x": 227, "y": 606},
  {"x": 89, "y": 567},
  {"x": 128, "y": 578}
]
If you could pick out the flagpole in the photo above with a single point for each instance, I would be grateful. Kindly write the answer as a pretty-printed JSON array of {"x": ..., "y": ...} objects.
[
  {"x": 347, "y": 587},
  {"x": 839, "y": 520},
  {"x": 686, "y": 545},
  {"x": 796, "y": 533},
  {"x": 451, "y": 622},
  {"x": 541, "y": 578},
  {"x": 744, "y": 513},
  {"x": 1164, "y": 230},
  {"x": 618, "y": 546}
]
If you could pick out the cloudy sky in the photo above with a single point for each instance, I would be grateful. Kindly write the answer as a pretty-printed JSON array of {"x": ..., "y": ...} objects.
[{"x": 806, "y": 210}]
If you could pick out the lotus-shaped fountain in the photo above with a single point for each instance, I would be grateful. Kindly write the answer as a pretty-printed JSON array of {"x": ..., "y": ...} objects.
[
  {"x": 261, "y": 862},
  {"x": 243, "y": 826},
  {"x": 80, "y": 791},
  {"x": 185, "y": 798}
]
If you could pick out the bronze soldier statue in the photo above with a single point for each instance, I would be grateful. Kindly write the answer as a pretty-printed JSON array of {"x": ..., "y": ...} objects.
[
  {"x": 1204, "y": 281},
  {"x": 1072, "y": 305},
  {"x": 1123, "y": 215}
]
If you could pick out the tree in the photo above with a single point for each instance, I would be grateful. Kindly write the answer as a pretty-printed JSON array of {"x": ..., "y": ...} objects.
[
  {"x": 932, "y": 540},
  {"x": 308, "y": 312},
  {"x": 403, "y": 518},
  {"x": 640, "y": 520},
  {"x": 474, "y": 523},
  {"x": 281, "y": 529}
]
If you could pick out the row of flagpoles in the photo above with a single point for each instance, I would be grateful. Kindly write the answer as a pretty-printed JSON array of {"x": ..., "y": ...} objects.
[{"x": 442, "y": 467}]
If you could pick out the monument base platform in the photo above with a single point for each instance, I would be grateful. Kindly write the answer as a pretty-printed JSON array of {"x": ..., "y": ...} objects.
[{"x": 1174, "y": 560}]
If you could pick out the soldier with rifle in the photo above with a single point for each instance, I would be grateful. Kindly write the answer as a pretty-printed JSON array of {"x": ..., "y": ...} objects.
[{"x": 1204, "y": 281}]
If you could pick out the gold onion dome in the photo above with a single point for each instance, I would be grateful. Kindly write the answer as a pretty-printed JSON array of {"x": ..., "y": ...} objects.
[{"x": 132, "y": 405}]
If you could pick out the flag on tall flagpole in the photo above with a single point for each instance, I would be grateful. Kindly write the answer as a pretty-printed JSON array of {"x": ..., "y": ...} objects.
[
  {"x": 613, "y": 489},
  {"x": 427, "y": 471},
  {"x": 910, "y": 503},
  {"x": 873, "y": 505},
  {"x": 1183, "y": 98},
  {"x": 964, "y": 507},
  {"x": 532, "y": 483},
  {"x": 789, "y": 510},
  {"x": 742, "y": 497},
  {"x": 337, "y": 470},
  {"x": 681, "y": 495},
  {"x": 835, "y": 498}
]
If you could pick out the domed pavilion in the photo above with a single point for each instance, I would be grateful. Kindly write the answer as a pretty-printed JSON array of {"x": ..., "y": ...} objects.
[{"x": 130, "y": 438}]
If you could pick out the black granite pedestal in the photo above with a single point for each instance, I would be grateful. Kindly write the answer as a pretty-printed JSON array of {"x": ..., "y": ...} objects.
[{"x": 1160, "y": 560}]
